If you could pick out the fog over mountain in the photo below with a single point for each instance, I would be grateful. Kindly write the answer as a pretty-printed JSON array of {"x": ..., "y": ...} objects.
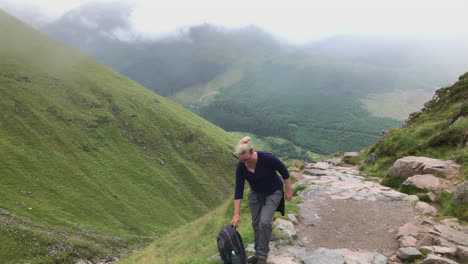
[
  {"x": 298, "y": 22},
  {"x": 333, "y": 94}
]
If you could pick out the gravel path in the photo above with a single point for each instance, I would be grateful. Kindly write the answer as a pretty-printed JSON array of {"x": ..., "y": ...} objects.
[{"x": 352, "y": 224}]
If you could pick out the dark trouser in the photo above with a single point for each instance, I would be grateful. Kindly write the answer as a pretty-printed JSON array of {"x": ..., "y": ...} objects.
[{"x": 262, "y": 209}]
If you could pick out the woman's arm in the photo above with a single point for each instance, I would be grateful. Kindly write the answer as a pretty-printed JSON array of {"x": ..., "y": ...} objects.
[
  {"x": 289, "y": 195},
  {"x": 236, "y": 218}
]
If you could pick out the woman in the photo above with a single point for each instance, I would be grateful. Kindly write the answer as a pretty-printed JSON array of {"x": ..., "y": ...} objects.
[{"x": 266, "y": 193}]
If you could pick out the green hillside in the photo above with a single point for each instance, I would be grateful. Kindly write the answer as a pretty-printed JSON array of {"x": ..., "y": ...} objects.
[
  {"x": 283, "y": 149},
  {"x": 93, "y": 164}
]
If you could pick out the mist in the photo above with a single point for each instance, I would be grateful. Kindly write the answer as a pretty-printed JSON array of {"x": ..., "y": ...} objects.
[{"x": 298, "y": 22}]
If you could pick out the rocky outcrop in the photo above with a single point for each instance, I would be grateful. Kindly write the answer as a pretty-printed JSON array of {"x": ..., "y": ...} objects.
[
  {"x": 429, "y": 182},
  {"x": 410, "y": 166},
  {"x": 461, "y": 194}
]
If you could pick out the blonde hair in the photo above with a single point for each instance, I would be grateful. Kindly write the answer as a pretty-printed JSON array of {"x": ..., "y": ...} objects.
[{"x": 244, "y": 146}]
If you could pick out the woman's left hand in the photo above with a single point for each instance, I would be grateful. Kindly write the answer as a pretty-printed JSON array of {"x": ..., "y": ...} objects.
[{"x": 288, "y": 194}]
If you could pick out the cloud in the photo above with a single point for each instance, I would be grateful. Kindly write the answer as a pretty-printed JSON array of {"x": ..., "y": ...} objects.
[{"x": 296, "y": 20}]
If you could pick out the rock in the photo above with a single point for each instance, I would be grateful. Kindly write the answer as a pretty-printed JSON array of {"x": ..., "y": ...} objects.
[
  {"x": 84, "y": 262},
  {"x": 409, "y": 166},
  {"x": 285, "y": 228},
  {"x": 250, "y": 249},
  {"x": 298, "y": 252},
  {"x": 349, "y": 178},
  {"x": 462, "y": 254},
  {"x": 408, "y": 253},
  {"x": 315, "y": 172},
  {"x": 412, "y": 199},
  {"x": 449, "y": 251},
  {"x": 408, "y": 229},
  {"x": 427, "y": 249},
  {"x": 425, "y": 208},
  {"x": 379, "y": 259},
  {"x": 319, "y": 165},
  {"x": 385, "y": 133},
  {"x": 293, "y": 219},
  {"x": 282, "y": 260},
  {"x": 326, "y": 256},
  {"x": 452, "y": 223},
  {"x": 323, "y": 259},
  {"x": 216, "y": 258},
  {"x": 461, "y": 194},
  {"x": 351, "y": 154},
  {"x": 432, "y": 196},
  {"x": 357, "y": 258},
  {"x": 443, "y": 242},
  {"x": 407, "y": 241},
  {"x": 297, "y": 176},
  {"x": 433, "y": 259},
  {"x": 427, "y": 241},
  {"x": 393, "y": 259},
  {"x": 451, "y": 235},
  {"x": 429, "y": 182}
]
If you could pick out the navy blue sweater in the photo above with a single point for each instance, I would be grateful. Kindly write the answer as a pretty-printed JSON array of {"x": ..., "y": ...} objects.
[{"x": 265, "y": 180}]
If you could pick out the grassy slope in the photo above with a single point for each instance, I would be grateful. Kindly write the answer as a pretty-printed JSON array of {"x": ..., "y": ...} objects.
[
  {"x": 440, "y": 131},
  {"x": 195, "y": 242},
  {"x": 88, "y": 155}
]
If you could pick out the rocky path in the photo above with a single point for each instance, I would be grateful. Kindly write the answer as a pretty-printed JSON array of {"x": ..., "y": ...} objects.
[{"x": 345, "y": 219}]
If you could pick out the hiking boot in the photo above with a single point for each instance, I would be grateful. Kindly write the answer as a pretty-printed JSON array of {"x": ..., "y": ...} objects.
[
  {"x": 261, "y": 261},
  {"x": 252, "y": 259}
]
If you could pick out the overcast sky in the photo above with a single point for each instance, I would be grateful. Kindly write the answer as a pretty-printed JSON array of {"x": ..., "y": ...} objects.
[{"x": 298, "y": 21}]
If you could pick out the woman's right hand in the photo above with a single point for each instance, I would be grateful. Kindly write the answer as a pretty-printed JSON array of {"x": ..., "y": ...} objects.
[{"x": 235, "y": 222}]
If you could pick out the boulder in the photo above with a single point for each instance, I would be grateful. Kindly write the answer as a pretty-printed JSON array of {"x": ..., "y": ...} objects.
[
  {"x": 425, "y": 208},
  {"x": 434, "y": 259},
  {"x": 461, "y": 194},
  {"x": 348, "y": 155},
  {"x": 409, "y": 166},
  {"x": 408, "y": 253},
  {"x": 429, "y": 182}
]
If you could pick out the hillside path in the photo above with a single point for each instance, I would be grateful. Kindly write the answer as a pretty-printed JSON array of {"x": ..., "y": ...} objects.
[{"x": 344, "y": 214}]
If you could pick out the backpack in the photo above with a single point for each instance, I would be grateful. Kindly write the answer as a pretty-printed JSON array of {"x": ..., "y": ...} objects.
[{"x": 230, "y": 246}]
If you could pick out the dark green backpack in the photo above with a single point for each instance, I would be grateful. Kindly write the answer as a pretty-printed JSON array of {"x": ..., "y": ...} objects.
[{"x": 230, "y": 246}]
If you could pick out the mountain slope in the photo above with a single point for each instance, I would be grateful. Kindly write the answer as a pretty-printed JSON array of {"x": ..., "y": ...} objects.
[
  {"x": 439, "y": 130},
  {"x": 333, "y": 95},
  {"x": 90, "y": 160}
]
